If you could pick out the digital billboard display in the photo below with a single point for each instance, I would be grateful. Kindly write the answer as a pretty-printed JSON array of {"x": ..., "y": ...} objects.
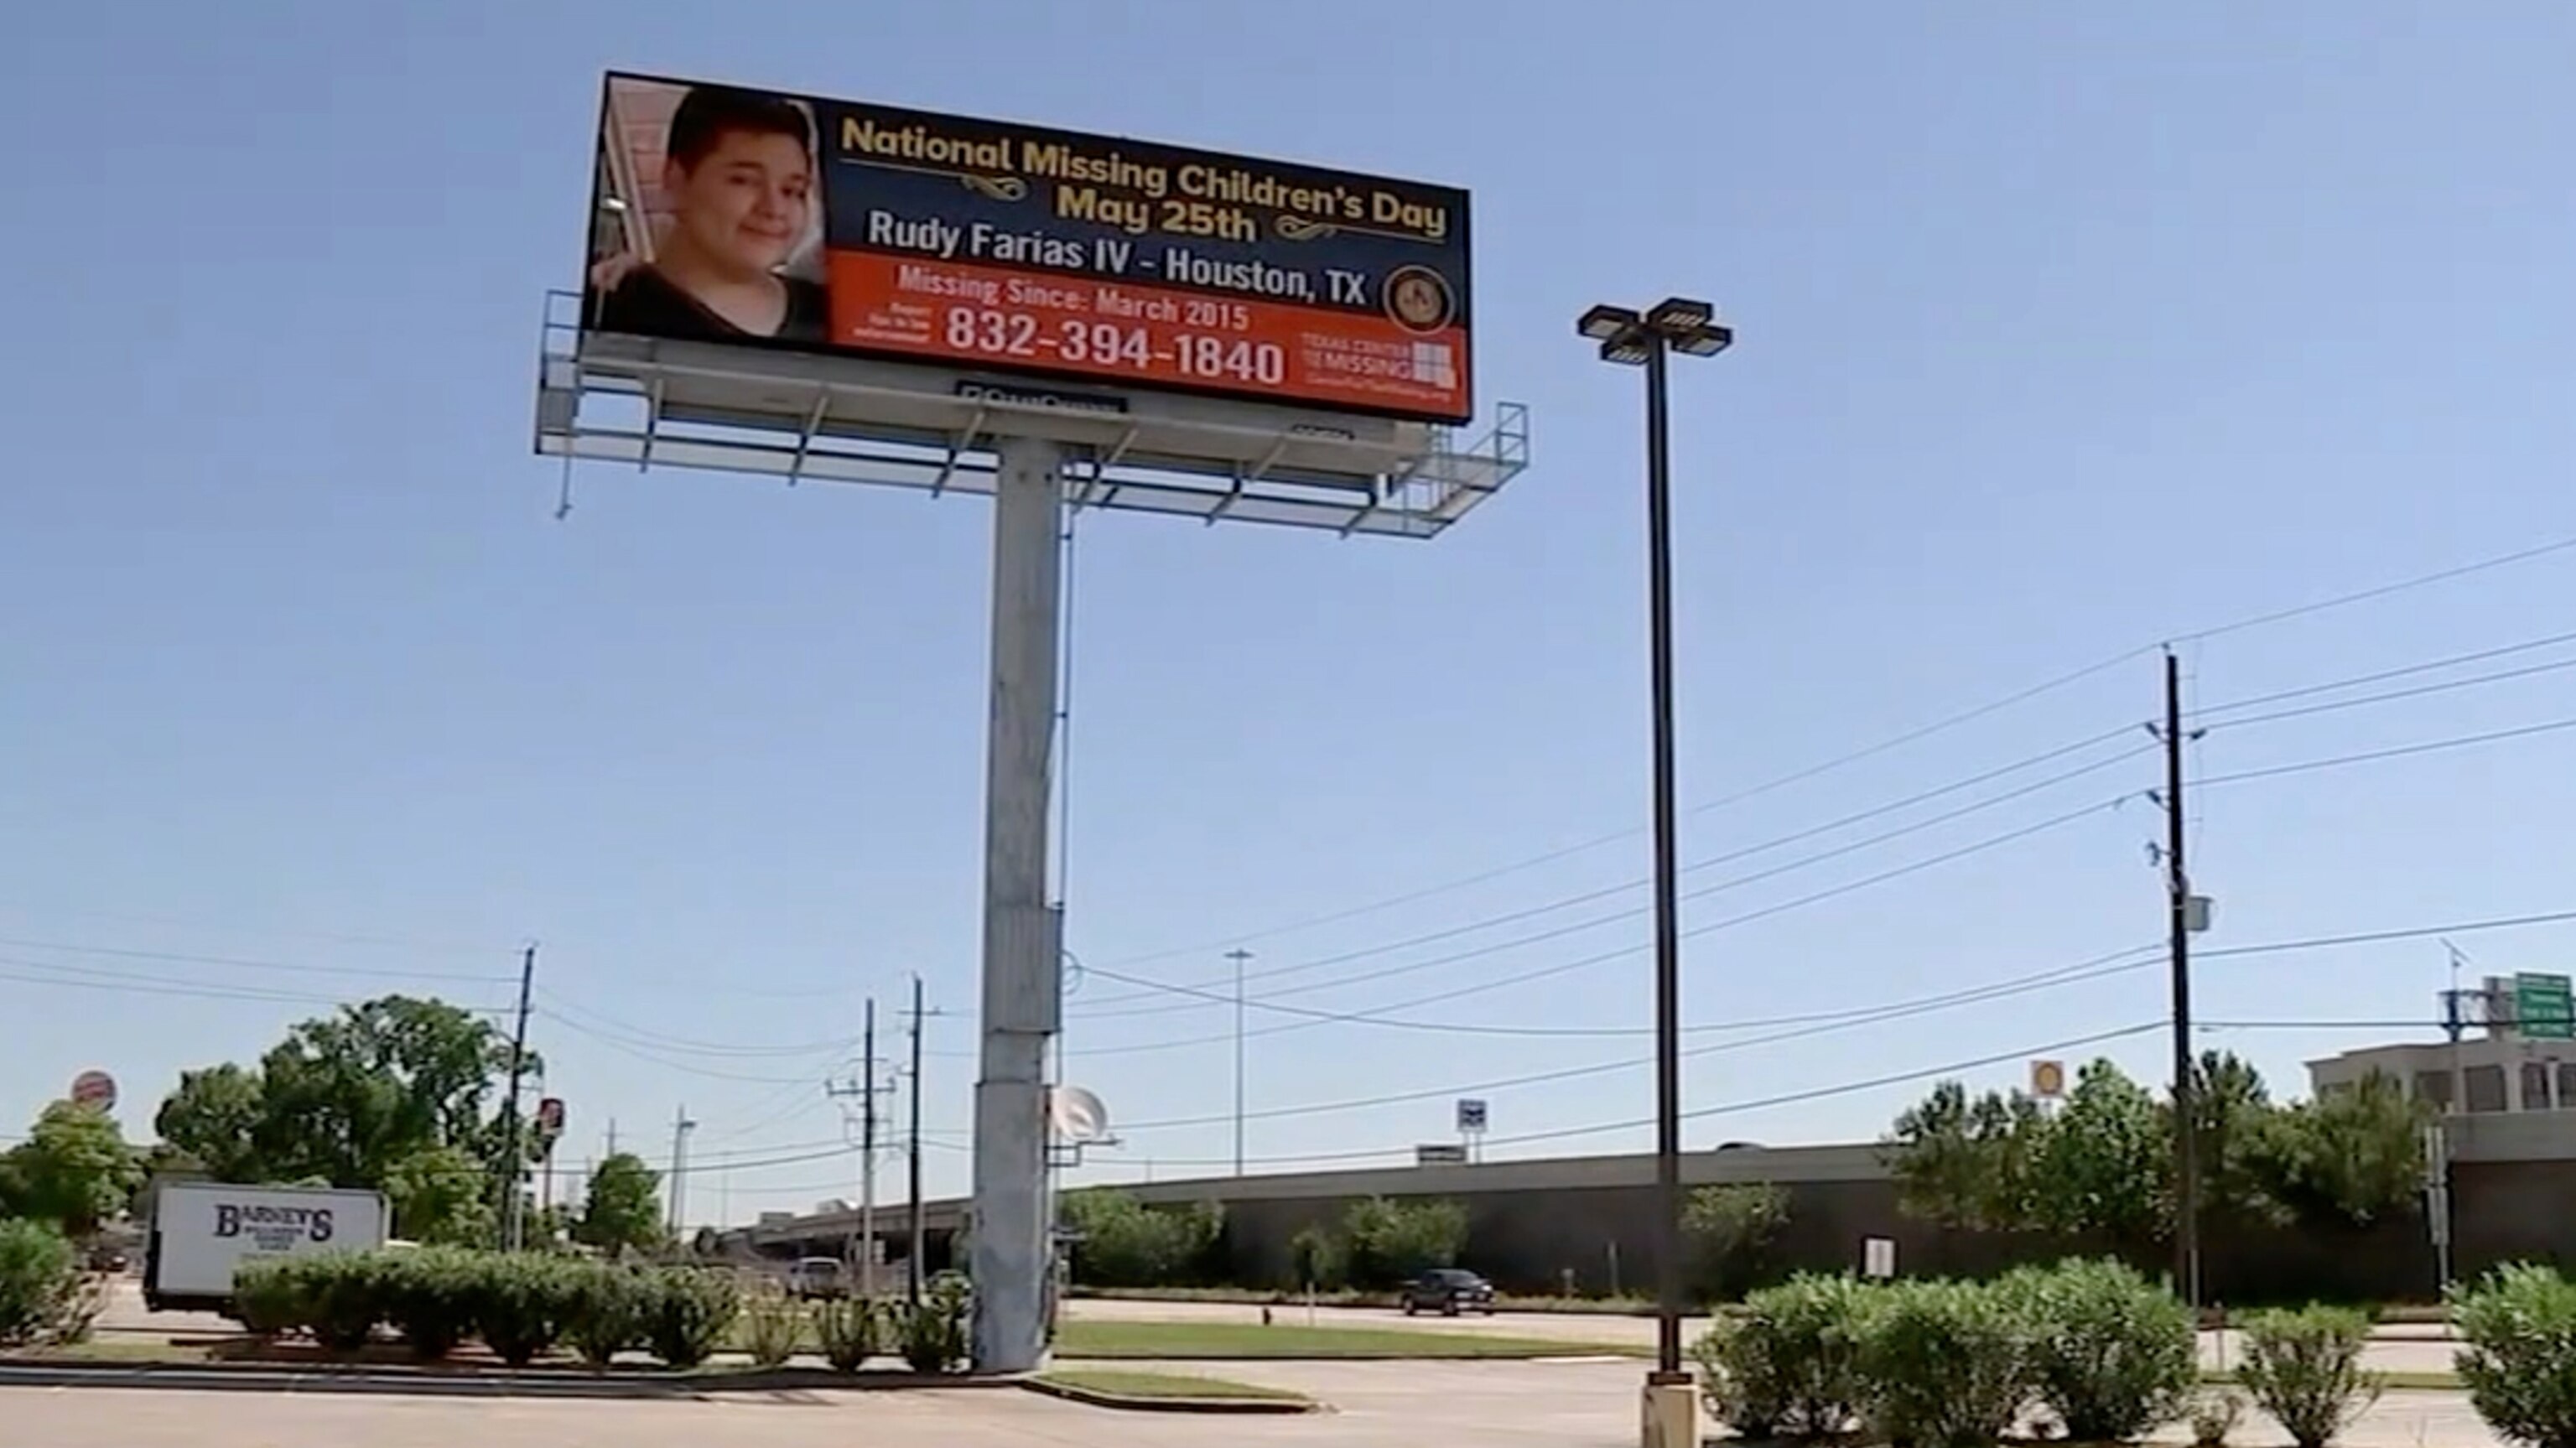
[{"x": 755, "y": 218}]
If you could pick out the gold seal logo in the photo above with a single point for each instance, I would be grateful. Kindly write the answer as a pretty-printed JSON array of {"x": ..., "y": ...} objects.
[{"x": 1418, "y": 299}]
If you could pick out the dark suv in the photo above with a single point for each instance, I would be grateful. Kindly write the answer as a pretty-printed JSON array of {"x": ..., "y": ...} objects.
[{"x": 1448, "y": 1291}]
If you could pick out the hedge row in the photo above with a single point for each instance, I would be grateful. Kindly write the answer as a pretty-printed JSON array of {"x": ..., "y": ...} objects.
[
  {"x": 2090, "y": 1346},
  {"x": 45, "y": 1298},
  {"x": 522, "y": 1305}
]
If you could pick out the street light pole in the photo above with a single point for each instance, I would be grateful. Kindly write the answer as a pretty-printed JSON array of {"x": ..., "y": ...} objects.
[{"x": 1633, "y": 339}]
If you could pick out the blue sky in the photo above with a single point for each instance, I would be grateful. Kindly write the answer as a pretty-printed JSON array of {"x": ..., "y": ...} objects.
[{"x": 2063, "y": 331}]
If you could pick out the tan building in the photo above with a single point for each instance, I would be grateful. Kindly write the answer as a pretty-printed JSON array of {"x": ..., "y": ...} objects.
[{"x": 2494, "y": 1066}]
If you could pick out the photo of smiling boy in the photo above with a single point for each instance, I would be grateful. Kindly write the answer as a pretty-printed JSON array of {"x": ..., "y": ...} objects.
[{"x": 709, "y": 257}]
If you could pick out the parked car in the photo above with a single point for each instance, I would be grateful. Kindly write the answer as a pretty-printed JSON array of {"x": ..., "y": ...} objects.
[
  {"x": 1448, "y": 1291},
  {"x": 816, "y": 1278}
]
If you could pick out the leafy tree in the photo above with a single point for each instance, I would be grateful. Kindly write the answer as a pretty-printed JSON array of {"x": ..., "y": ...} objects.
[
  {"x": 214, "y": 1117},
  {"x": 1968, "y": 1163},
  {"x": 1315, "y": 1259},
  {"x": 2356, "y": 1155},
  {"x": 1125, "y": 1243},
  {"x": 2238, "y": 1167},
  {"x": 344, "y": 1098},
  {"x": 440, "y": 1198},
  {"x": 2102, "y": 1166},
  {"x": 74, "y": 1168},
  {"x": 1385, "y": 1241},
  {"x": 1734, "y": 1226},
  {"x": 623, "y": 1208}
]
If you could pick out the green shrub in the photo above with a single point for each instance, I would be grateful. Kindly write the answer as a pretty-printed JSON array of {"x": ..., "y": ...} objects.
[
  {"x": 431, "y": 1296},
  {"x": 1945, "y": 1363},
  {"x": 608, "y": 1312},
  {"x": 339, "y": 1298},
  {"x": 521, "y": 1301},
  {"x": 267, "y": 1296},
  {"x": 773, "y": 1327},
  {"x": 2111, "y": 1356},
  {"x": 932, "y": 1334},
  {"x": 2520, "y": 1363},
  {"x": 2213, "y": 1417},
  {"x": 42, "y": 1296},
  {"x": 848, "y": 1330},
  {"x": 2304, "y": 1368},
  {"x": 687, "y": 1312},
  {"x": 1788, "y": 1365}
]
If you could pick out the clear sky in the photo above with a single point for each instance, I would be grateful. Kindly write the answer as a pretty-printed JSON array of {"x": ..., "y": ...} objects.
[{"x": 2063, "y": 330}]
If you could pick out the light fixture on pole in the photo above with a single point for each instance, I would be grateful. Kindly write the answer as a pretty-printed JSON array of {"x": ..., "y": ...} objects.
[{"x": 1634, "y": 339}]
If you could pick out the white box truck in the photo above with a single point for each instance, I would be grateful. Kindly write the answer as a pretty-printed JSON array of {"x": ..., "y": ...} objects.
[{"x": 201, "y": 1231}]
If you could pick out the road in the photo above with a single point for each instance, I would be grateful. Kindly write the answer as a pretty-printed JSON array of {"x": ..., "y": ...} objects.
[{"x": 1379, "y": 1405}]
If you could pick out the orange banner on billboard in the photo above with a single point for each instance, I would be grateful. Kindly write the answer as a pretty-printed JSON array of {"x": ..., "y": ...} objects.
[{"x": 1121, "y": 331}]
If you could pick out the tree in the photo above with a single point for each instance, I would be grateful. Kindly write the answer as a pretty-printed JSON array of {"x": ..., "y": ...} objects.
[
  {"x": 1385, "y": 1242},
  {"x": 2103, "y": 1165},
  {"x": 2356, "y": 1155},
  {"x": 345, "y": 1097},
  {"x": 74, "y": 1169},
  {"x": 1965, "y": 1163},
  {"x": 1124, "y": 1243},
  {"x": 1314, "y": 1259},
  {"x": 214, "y": 1117},
  {"x": 441, "y": 1197},
  {"x": 623, "y": 1208},
  {"x": 1733, "y": 1226},
  {"x": 2238, "y": 1171}
]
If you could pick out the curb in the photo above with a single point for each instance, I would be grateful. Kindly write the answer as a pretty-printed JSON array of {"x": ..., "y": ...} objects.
[
  {"x": 469, "y": 1381},
  {"x": 1092, "y": 1398}
]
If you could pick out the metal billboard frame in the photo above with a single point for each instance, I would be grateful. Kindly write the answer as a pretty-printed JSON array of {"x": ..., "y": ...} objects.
[
  {"x": 1041, "y": 451},
  {"x": 812, "y": 418}
]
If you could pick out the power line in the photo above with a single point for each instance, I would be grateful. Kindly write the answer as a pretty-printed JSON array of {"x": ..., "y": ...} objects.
[
  {"x": 2384, "y": 675},
  {"x": 2417, "y": 692},
  {"x": 1807, "y": 1026},
  {"x": 1764, "y": 847},
  {"x": 492, "y": 978},
  {"x": 1730, "y": 1108},
  {"x": 1898, "y": 741},
  {"x": 645, "y": 1054},
  {"x": 2369, "y": 756},
  {"x": 90, "y": 977},
  {"x": 1378, "y": 1017},
  {"x": 1204, "y": 999},
  {"x": 2098, "y": 967},
  {"x": 687, "y": 1046}
]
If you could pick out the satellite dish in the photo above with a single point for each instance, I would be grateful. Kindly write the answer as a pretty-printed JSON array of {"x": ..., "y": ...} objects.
[
  {"x": 96, "y": 1089},
  {"x": 1078, "y": 1115}
]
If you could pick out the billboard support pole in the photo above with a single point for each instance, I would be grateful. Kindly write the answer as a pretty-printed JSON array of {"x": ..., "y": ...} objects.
[{"x": 1022, "y": 975}]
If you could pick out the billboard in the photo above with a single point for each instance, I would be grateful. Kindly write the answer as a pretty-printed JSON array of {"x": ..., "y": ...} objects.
[{"x": 780, "y": 221}]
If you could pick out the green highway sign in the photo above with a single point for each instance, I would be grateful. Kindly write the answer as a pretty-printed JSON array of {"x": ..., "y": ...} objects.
[{"x": 2544, "y": 1007}]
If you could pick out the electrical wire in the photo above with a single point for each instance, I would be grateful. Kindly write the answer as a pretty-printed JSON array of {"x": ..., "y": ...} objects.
[
  {"x": 1807, "y": 1026},
  {"x": 1379, "y": 1017},
  {"x": 1744, "y": 852},
  {"x": 1898, "y": 741},
  {"x": 2461, "y": 741},
  {"x": 2417, "y": 692},
  {"x": 2096, "y": 968},
  {"x": 1205, "y": 998},
  {"x": 1730, "y": 1108},
  {"x": 182, "y": 958}
]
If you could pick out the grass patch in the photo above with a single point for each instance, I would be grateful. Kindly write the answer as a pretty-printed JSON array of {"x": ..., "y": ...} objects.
[
  {"x": 2409, "y": 1382},
  {"x": 1120, "y": 1383},
  {"x": 1219, "y": 1341}
]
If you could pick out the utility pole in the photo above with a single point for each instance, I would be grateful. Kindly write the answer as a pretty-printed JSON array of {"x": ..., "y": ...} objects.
[
  {"x": 1238, "y": 955},
  {"x": 863, "y": 1243},
  {"x": 2179, "y": 908},
  {"x": 681, "y": 1126},
  {"x": 912, "y": 1164},
  {"x": 512, "y": 1154}
]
